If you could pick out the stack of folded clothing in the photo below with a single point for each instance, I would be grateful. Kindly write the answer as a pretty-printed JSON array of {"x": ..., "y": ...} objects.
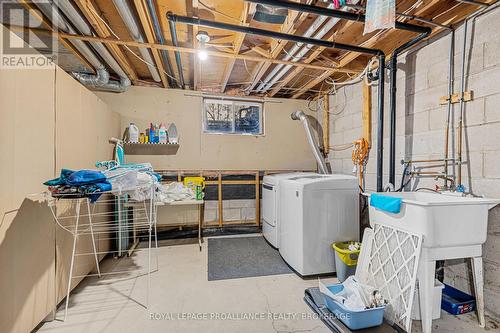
[{"x": 79, "y": 184}]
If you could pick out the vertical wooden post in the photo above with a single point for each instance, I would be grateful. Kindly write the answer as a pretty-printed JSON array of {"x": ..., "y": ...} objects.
[
  {"x": 367, "y": 113},
  {"x": 202, "y": 207},
  {"x": 257, "y": 198},
  {"x": 219, "y": 184},
  {"x": 326, "y": 125}
]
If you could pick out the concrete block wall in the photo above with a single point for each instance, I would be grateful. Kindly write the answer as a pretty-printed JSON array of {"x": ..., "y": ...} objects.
[
  {"x": 422, "y": 80},
  {"x": 232, "y": 210}
]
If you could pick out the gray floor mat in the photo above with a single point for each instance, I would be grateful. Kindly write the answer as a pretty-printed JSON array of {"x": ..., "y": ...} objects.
[{"x": 240, "y": 257}]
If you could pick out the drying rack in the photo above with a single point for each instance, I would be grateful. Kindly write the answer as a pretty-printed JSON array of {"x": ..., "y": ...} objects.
[{"x": 104, "y": 219}]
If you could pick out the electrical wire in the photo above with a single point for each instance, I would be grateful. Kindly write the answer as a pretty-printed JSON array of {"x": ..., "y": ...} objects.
[
  {"x": 292, "y": 56},
  {"x": 344, "y": 104},
  {"x": 357, "y": 79}
]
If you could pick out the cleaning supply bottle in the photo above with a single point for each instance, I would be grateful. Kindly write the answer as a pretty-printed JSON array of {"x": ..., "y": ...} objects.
[
  {"x": 133, "y": 133},
  {"x": 151, "y": 133},
  {"x": 157, "y": 133},
  {"x": 162, "y": 134}
]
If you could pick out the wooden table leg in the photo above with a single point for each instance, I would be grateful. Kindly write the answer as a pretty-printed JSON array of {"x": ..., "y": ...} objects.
[{"x": 201, "y": 211}]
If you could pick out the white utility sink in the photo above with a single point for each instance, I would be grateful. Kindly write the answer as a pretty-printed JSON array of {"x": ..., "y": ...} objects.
[
  {"x": 443, "y": 220},
  {"x": 452, "y": 227}
]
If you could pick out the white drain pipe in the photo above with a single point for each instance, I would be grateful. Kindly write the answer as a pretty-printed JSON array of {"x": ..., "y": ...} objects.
[
  {"x": 300, "y": 50},
  {"x": 133, "y": 27}
]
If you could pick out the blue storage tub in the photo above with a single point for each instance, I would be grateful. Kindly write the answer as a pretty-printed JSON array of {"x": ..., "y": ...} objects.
[
  {"x": 457, "y": 302},
  {"x": 354, "y": 320}
]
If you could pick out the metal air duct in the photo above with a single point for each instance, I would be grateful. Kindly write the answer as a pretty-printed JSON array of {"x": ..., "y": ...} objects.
[
  {"x": 299, "y": 115},
  {"x": 100, "y": 81}
]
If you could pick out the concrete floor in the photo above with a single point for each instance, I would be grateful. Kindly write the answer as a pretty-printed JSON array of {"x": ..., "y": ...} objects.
[{"x": 180, "y": 288}]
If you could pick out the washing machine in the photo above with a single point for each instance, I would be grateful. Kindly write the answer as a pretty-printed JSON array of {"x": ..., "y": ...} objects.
[
  {"x": 270, "y": 204},
  {"x": 316, "y": 211}
]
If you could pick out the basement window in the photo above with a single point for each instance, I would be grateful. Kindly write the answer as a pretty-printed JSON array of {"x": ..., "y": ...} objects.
[{"x": 232, "y": 117}]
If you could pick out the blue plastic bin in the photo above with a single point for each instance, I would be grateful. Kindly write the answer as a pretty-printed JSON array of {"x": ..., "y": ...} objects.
[
  {"x": 457, "y": 302},
  {"x": 354, "y": 320}
]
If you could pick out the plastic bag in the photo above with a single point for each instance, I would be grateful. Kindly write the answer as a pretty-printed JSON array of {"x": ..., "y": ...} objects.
[
  {"x": 122, "y": 180},
  {"x": 380, "y": 14},
  {"x": 355, "y": 296},
  {"x": 174, "y": 192}
]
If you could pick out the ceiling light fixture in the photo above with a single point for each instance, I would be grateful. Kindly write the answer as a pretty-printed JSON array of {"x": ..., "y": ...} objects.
[
  {"x": 202, "y": 54},
  {"x": 203, "y": 38}
]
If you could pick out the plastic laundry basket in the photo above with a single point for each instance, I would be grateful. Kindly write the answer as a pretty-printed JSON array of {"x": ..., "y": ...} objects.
[
  {"x": 345, "y": 259},
  {"x": 355, "y": 320}
]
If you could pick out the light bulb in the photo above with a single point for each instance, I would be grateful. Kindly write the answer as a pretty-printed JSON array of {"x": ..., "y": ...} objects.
[{"x": 202, "y": 55}]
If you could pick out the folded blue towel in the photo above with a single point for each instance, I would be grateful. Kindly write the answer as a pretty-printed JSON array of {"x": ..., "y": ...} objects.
[
  {"x": 386, "y": 203},
  {"x": 65, "y": 173},
  {"x": 84, "y": 177}
]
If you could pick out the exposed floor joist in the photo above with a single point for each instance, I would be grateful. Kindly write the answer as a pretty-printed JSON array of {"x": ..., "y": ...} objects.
[
  {"x": 315, "y": 54},
  {"x": 259, "y": 55},
  {"x": 147, "y": 27},
  {"x": 291, "y": 24},
  {"x": 192, "y": 9},
  {"x": 245, "y": 19},
  {"x": 93, "y": 16},
  {"x": 188, "y": 50}
]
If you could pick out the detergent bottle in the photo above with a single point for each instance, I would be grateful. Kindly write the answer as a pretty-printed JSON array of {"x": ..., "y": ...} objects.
[
  {"x": 162, "y": 134},
  {"x": 133, "y": 132}
]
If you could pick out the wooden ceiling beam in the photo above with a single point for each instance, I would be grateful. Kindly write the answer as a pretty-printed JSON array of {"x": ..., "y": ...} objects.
[
  {"x": 147, "y": 27},
  {"x": 248, "y": 9},
  {"x": 261, "y": 51},
  {"x": 348, "y": 57},
  {"x": 295, "y": 72},
  {"x": 393, "y": 37},
  {"x": 92, "y": 14},
  {"x": 351, "y": 36},
  {"x": 185, "y": 50}
]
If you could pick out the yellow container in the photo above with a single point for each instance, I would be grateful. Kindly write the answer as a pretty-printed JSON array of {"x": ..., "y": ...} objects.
[
  {"x": 348, "y": 257},
  {"x": 192, "y": 182}
]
